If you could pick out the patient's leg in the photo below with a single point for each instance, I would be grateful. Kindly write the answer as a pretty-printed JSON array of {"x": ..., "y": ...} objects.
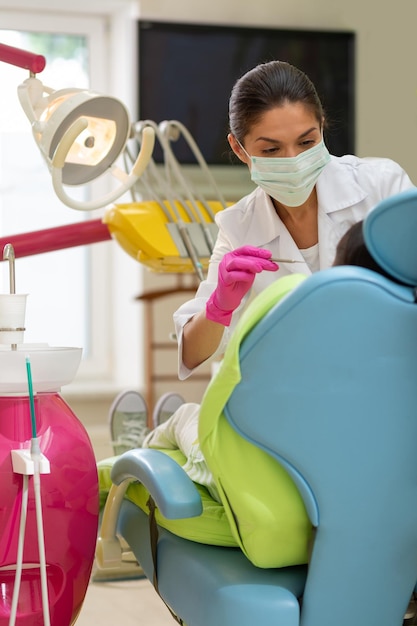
[{"x": 180, "y": 431}]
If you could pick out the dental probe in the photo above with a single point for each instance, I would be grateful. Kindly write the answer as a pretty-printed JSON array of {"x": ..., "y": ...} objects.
[{"x": 285, "y": 261}]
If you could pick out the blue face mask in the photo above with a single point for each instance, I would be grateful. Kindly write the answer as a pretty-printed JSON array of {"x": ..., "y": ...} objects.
[{"x": 290, "y": 180}]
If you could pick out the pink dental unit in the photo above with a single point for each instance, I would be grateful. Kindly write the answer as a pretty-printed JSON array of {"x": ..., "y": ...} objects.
[{"x": 49, "y": 487}]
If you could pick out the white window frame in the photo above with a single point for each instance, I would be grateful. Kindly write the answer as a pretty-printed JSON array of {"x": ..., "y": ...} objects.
[{"x": 116, "y": 319}]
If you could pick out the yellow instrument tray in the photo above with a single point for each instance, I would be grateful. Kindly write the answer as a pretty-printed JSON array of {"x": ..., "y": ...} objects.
[{"x": 146, "y": 233}]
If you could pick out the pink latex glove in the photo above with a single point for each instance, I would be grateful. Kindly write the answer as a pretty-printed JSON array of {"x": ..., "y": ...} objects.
[{"x": 237, "y": 271}]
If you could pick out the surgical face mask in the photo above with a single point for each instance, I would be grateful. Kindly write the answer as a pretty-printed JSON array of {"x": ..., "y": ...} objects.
[{"x": 290, "y": 180}]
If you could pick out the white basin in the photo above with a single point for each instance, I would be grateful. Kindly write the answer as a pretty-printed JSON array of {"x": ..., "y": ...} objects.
[{"x": 51, "y": 367}]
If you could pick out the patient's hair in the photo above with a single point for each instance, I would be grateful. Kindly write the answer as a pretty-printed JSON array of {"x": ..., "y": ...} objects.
[{"x": 351, "y": 250}]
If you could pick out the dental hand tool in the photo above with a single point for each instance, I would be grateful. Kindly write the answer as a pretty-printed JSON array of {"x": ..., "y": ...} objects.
[
  {"x": 8, "y": 254},
  {"x": 286, "y": 260}
]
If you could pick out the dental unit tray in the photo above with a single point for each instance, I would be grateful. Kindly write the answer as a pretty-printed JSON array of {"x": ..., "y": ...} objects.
[
  {"x": 145, "y": 233},
  {"x": 169, "y": 226}
]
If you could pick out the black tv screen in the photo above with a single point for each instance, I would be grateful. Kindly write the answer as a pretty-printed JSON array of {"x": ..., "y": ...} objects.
[{"x": 186, "y": 73}]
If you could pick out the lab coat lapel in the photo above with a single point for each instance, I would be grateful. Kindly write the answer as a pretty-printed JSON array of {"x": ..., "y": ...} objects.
[
  {"x": 289, "y": 250},
  {"x": 330, "y": 233},
  {"x": 272, "y": 230},
  {"x": 333, "y": 196}
]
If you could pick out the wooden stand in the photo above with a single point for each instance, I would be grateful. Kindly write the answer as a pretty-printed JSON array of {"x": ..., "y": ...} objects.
[{"x": 150, "y": 299}]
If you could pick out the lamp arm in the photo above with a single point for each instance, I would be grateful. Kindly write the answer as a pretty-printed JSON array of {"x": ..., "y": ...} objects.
[
  {"x": 35, "y": 63},
  {"x": 31, "y": 94},
  {"x": 61, "y": 152}
]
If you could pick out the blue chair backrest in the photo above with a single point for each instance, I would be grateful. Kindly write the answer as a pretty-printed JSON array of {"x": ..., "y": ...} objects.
[{"x": 329, "y": 387}]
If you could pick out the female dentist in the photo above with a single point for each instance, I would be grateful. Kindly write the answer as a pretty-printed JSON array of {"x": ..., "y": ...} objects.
[{"x": 305, "y": 200}]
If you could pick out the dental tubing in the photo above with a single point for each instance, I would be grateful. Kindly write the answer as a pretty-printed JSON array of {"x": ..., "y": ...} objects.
[
  {"x": 19, "y": 557},
  {"x": 33, "y": 464},
  {"x": 35, "y": 453},
  {"x": 36, "y": 456}
]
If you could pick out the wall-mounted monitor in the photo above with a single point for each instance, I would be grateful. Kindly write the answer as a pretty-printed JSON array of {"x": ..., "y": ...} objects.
[{"x": 186, "y": 73}]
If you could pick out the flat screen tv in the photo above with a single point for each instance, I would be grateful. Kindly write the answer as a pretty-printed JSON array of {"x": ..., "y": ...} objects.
[{"x": 186, "y": 73}]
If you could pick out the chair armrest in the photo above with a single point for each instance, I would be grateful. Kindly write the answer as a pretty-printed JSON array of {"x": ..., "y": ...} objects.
[{"x": 173, "y": 492}]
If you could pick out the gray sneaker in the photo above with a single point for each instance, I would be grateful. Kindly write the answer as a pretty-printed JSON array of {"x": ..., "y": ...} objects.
[
  {"x": 165, "y": 407},
  {"x": 128, "y": 419}
]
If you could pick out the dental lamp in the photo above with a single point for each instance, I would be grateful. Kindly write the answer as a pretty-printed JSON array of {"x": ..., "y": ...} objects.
[{"x": 80, "y": 134}]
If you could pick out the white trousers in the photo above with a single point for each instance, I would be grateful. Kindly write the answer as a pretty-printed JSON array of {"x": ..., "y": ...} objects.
[{"x": 180, "y": 431}]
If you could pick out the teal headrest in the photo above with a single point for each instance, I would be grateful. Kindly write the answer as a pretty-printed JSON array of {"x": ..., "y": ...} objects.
[{"x": 390, "y": 233}]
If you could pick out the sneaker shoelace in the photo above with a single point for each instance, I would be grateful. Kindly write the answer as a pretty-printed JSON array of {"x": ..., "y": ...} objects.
[{"x": 134, "y": 431}]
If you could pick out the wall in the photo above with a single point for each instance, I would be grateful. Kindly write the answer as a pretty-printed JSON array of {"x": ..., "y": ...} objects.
[{"x": 386, "y": 53}]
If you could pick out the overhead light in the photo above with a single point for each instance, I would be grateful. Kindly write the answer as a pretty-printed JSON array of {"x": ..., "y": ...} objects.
[
  {"x": 79, "y": 133},
  {"x": 99, "y": 144}
]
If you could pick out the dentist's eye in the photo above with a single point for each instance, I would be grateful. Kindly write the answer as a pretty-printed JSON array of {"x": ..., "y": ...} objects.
[{"x": 270, "y": 151}]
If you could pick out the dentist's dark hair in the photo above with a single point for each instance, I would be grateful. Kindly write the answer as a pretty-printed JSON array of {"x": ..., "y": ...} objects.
[{"x": 265, "y": 87}]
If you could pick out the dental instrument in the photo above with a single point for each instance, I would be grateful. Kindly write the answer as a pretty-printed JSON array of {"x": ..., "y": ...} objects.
[
  {"x": 8, "y": 254},
  {"x": 172, "y": 186},
  {"x": 286, "y": 260},
  {"x": 39, "y": 465},
  {"x": 172, "y": 131},
  {"x": 37, "y": 458}
]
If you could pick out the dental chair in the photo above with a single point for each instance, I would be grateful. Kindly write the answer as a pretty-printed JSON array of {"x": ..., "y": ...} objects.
[{"x": 328, "y": 389}]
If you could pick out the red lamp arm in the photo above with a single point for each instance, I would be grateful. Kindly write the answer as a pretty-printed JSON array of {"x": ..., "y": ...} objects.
[
  {"x": 57, "y": 238},
  {"x": 35, "y": 63}
]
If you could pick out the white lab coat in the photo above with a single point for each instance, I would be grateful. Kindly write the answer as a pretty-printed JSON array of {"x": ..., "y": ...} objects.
[{"x": 347, "y": 189}]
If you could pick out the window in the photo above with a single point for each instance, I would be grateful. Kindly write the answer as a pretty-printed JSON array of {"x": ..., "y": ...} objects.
[{"x": 71, "y": 299}]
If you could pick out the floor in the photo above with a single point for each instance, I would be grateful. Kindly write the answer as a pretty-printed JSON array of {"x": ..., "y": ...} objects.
[{"x": 129, "y": 602}]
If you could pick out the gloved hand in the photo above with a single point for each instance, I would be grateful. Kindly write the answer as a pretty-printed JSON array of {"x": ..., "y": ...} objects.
[{"x": 237, "y": 271}]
